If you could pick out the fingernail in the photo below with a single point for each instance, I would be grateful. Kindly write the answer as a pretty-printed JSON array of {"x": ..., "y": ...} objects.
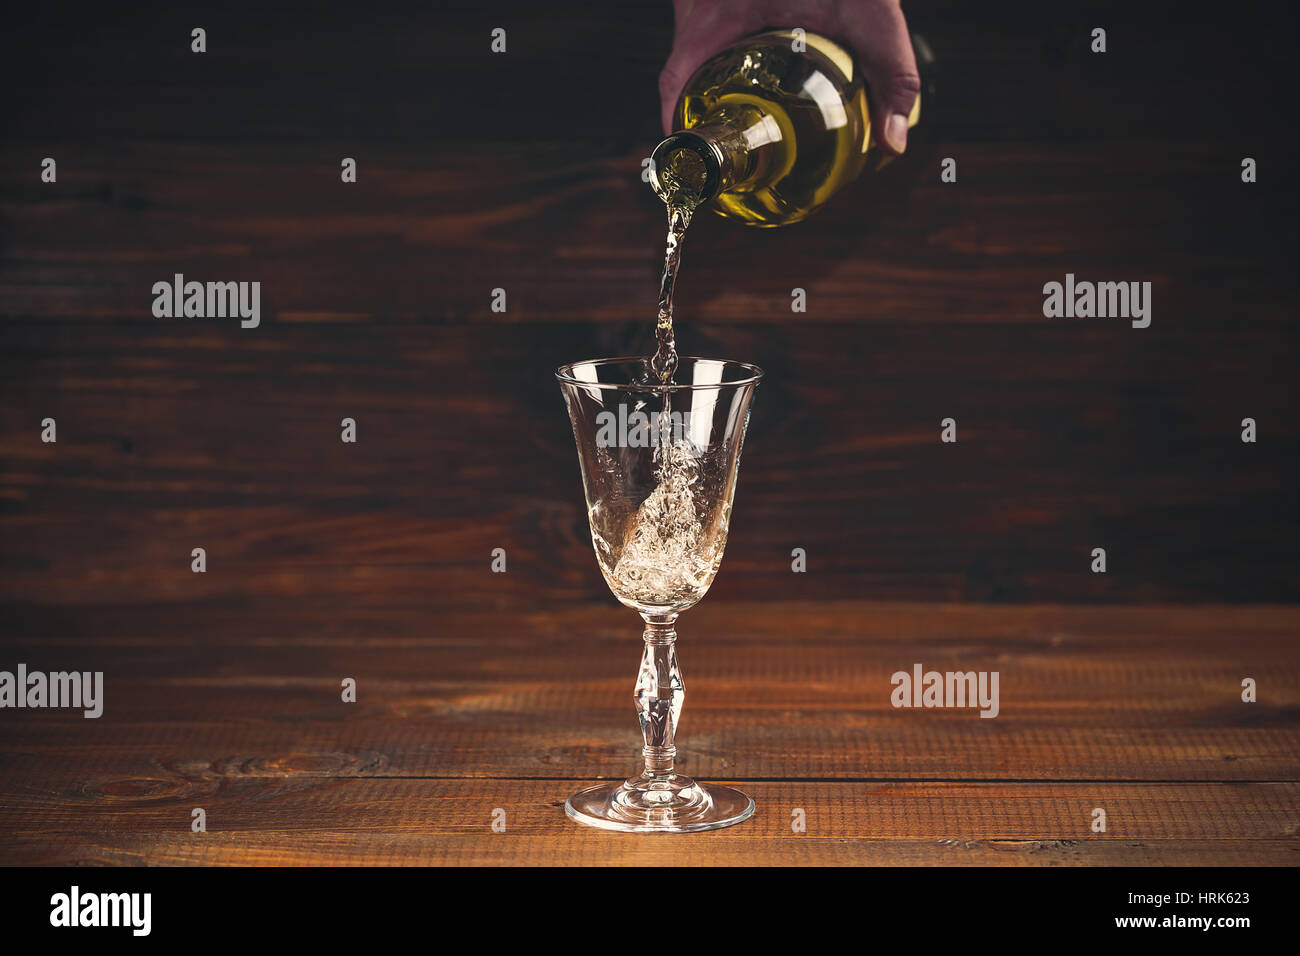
[{"x": 896, "y": 132}]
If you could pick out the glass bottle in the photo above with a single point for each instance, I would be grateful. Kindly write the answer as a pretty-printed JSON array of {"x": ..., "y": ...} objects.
[{"x": 769, "y": 129}]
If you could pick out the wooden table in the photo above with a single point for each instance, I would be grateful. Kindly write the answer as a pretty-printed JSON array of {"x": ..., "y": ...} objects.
[{"x": 1135, "y": 710}]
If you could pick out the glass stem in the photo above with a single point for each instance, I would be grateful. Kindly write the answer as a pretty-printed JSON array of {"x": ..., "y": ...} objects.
[{"x": 659, "y": 696}]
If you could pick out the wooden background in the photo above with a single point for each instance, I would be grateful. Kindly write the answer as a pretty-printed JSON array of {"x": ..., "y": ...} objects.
[{"x": 480, "y": 690}]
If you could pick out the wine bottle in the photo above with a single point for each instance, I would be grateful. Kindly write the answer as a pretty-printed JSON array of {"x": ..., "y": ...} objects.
[{"x": 769, "y": 129}]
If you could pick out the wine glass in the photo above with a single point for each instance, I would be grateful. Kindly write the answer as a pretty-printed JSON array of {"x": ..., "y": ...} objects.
[{"x": 659, "y": 466}]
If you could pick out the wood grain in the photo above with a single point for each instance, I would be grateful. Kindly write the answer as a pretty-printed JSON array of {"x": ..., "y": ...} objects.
[
  {"x": 793, "y": 690},
  {"x": 177, "y": 438},
  {"x": 1136, "y": 710},
  {"x": 406, "y": 822},
  {"x": 924, "y": 302}
]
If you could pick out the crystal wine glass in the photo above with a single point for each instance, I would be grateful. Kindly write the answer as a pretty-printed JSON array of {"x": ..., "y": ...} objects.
[{"x": 659, "y": 470}]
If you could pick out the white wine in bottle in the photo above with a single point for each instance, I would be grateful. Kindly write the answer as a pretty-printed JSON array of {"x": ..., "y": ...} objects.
[{"x": 768, "y": 130}]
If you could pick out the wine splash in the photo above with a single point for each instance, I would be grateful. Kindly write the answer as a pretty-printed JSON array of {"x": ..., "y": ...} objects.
[
  {"x": 667, "y": 559},
  {"x": 680, "y": 184},
  {"x": 664, "y": 362},
  {"x": 668, "y": 556}
]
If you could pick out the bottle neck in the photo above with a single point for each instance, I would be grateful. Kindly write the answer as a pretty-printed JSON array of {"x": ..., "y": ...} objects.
[{"x": 729, "y": 149}]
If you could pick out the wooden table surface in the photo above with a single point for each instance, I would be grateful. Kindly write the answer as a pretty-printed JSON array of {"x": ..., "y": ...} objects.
[{"x": 460, "y": 714}]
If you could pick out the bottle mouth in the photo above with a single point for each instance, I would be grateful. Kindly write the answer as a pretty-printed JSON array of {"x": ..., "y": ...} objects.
[{"x": 686, "y": 169}]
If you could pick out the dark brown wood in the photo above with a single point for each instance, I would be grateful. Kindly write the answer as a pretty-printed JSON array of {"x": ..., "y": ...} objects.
[
  {"x": 1136, "y": 710},
  {"x": 178, "y": 437},
  {"x": 775, "y": 691},
  {"x": 481, "y": 172},
  {"x": 286, "y": 822}
]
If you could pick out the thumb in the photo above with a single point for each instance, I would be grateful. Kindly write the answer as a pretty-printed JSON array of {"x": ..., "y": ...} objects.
[{"x": 884, "y": 50}]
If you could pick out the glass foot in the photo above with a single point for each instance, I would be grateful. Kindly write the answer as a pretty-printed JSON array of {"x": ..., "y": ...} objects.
[{"x": 674, "y": 804}]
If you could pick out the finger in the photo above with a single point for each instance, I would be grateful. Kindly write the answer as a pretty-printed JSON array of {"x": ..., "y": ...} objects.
[{"x": 884, "y": 51}]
